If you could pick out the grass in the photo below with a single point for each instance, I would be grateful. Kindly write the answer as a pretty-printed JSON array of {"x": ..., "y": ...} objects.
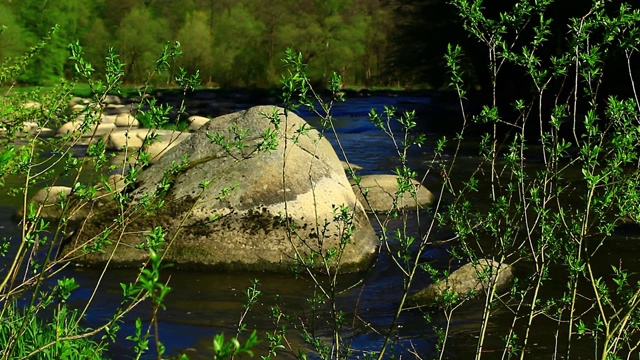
[{"x": 80, "y": 89}]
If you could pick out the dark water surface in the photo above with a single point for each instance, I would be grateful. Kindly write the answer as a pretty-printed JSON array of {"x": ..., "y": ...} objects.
[{"x": 204, "y": 303}]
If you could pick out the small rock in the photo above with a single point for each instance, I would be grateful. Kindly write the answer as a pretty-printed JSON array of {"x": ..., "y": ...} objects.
[
  {"x": 112, "y": 99},
  {"x": 346, "y": 165},
  {"x": 115, "y": 109},
  {"x": 84, "y": 107},
  {"x": 51, "y": 195},
  {"x": 69, "y": 127},
  {"x": 114, "y": 183},
  {"x": 122, "y": 160},
  {"x": 29, "y": 127},
  {"x": 32, "y": 104},
  {"x": 381, "y": 191},
  {"x": 466, "y": 281},
  {"x": 77, "y": 108},
  {"x": 134, "y": 139},
  {"x": 48, "y": 199},
  {"x": 32, "y": 128},
  {"x": 109, "y": 119},
  {"x": 126, "y": 120},
  {"x": 121, "y": 139},
  {"x": 77, "y": 101},
  {"x": 629, "y": 219},
  {"x": 97, "y": 130},
  {"x": 196, "y": 122}
]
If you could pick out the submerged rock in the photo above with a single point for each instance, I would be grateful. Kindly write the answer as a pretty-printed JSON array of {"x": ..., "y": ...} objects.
[
  {"x": 261, "y": 210},
  {"x": 467, "y": 281}
]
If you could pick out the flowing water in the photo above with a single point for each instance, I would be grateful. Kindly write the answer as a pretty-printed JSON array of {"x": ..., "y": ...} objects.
[{"x": 204, "y": 303}]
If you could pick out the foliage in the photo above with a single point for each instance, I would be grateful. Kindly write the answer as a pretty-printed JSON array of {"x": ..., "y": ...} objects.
[
  {"x": 70, "y": 18},
  {"x": 585, "y": 133},
  {"x": 140, "y": 35},
  {"x": 14, "y": 39},
  {"x": 38, "y": 320},
  {"x": 232, "y": 44},
  {"x": 57, "y": 338},
  {"x": 554, "y": 217}
]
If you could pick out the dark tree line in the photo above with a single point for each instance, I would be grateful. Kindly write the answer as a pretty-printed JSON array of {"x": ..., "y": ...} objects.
[
  {"x": 241, "y": 42},
  {"x": 424, "y": 28}
]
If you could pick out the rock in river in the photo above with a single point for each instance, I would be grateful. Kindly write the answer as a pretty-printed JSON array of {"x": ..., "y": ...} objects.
[
  {"x": 47, "y": 202},
  {"x": 467, "y": 281},
  {"x": 261, "y": 209},
  {"x": 381, "y": 192}
]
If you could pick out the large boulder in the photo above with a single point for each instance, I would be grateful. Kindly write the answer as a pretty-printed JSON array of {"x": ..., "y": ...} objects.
[
  {"x": 134, "y": 138},
  {"x": 467, "y": 281},
  {"x": 380, "y": 191},
  {"x": 248, "y": 217}
]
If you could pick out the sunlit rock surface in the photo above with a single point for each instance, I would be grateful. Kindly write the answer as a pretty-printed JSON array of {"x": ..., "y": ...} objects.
[{"x": 261, "y": 210}]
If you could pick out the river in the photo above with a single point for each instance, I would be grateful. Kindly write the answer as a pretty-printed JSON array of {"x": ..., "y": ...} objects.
[{"x": 204, "y": 303}]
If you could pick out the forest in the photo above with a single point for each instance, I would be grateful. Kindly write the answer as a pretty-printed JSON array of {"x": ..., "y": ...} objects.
[
  {"x": 232, "y": 43},
  {"x": 240, "y": 43}
]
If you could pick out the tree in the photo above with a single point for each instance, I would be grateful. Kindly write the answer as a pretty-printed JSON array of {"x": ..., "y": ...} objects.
[
  {"x": 239, "y": 59},
  {"x": 112, "y": 14},
  {"x": 274, "y": 14},
  {"x": 96, "y": 42},
  {"x": 72, "y": 18},
  {"x": 345, "y": 44},
  {"x": 174, "y": 11},
  {"x": 197, "y": 44},
  {"x": 329, "y": 34},
  {"x": 423, "y": 30},
  {"x": 15, "y": 39},
  {"x": 140, "y": 35},
  {"x": 379, "y": 22}
]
